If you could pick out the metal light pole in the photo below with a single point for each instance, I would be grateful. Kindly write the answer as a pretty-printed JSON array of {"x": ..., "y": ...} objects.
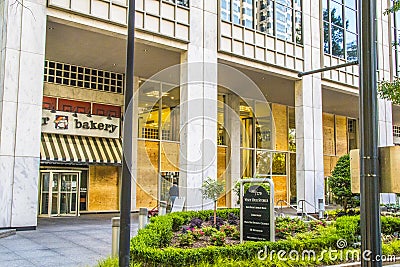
[
  {"x": 125, "y": 214},
  {"x": 369, "y": 176}
]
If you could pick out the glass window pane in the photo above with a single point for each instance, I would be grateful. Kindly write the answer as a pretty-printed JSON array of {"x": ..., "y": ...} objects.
[
  {"x": 337, "y": 41},
  {"x": 327, "y": 46},
  {"x": 351, "y": 21},
  {"x": 325, "y": 10},
  {"x": 170, "y": 113},
  {"x": 351, "y": 3},
  {"x": 351, "y": 46},
  {"x": 246, "y": 117},
  {"x": 226, "y": 10},
  {"x": 263, "y": 125},
  {"x": 279, "y": 164},
  {"x": 148, "y": 110},
  {"x": 299, "y": 27},
  {"x": 336, "y": 14},
  {"x": 221, "y": 131},
  {"x": 247, "y": 162},
  {"x": 263, "y": 163}
]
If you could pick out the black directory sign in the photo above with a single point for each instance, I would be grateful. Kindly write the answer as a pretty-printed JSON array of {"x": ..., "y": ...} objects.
[{"x": 256, "y": 214}]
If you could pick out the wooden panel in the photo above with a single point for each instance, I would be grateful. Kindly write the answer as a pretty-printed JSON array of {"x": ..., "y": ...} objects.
[
  {"x": 329, "y": 134},
  {"x": 341, "y": 135},
  {"x": 221, "y": 170},
  {"x": 103, "y": 188},
  {"x": 280, "y": 186},
  {"x": 169, "y": 157},
  {"x": 147, "y": 174},
  {"x": 327, "y": 166},
  {"x": 281, "y": 127}
]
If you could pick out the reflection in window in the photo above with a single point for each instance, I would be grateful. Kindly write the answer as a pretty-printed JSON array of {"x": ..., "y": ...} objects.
[
  {"x": 247, "y": 162},
  {"x": 396, "y": 41},
  {"x": 158, "y": 109},
  {"x": 221, "y": 131},
  {"x": 246, "y": 118},
  {"x": 340, "y": 28},
  {"x": 263, "y": 125},
  {"x": 281, "y": 18}
]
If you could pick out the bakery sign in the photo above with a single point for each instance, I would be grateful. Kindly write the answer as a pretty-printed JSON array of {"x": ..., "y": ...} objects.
[{"x": 62, "y": 122}]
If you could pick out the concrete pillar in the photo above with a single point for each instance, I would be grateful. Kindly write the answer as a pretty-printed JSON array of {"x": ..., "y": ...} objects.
[
  {"x": 308, "y": 109},
  {"x": 198, "y": 111},
  {"x": 21, "y": 92}
]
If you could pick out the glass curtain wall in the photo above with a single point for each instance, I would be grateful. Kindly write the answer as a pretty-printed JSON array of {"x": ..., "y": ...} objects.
[
  {"x": 340, "y": 28},
  {"x": 158, "y": 134},
  {"x": 280, "y": 18}
]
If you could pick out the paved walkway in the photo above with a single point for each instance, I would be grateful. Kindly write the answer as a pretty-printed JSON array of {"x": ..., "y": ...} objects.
[{"x": 61, "y": 242}]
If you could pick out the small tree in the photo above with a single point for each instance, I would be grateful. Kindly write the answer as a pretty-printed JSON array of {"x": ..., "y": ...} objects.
[
  {"x": 212, "y": 189},
  {"x": 340, "y": 183}
]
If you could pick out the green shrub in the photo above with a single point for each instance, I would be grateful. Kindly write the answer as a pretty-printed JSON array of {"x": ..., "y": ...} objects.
[
  {"x": 286, "y": 226},
  {"x": 209, "y": 230},
  {"x": 186, "y": 239},
  {"x": 149, "y": 249},
  {"x": 228, "y": 229},
  {"x": 197, "y": 233},
  {"x": 340, "y": 184},
  {"x": 218, "y": 238}
]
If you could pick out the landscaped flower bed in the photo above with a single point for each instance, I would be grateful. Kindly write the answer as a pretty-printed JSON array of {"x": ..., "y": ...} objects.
[{"x": 188, "y": 239}]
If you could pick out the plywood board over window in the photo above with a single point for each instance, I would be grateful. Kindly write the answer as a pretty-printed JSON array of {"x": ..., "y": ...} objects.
[
  {"x": 169, "y": 157},
  {"x": 281, "y": 126},
  {"x": 147, "y": 174},
  {"x": 103, "y": 188},
  {"x": 221, "y": 170},
  {"x": 328, "y": 122},
  {"x": 341, "y": 135}
]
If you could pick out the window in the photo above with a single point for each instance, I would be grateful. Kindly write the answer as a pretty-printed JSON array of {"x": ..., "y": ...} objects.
[
  {"x": 396, "y": 41},
  {"x": 340, "y": 28},
  {"x": 396, "y": 131},
  {"x": 88, "y": 78},
  {"x": 158, "y": 111},
  {"x": 281, "y": 18}
]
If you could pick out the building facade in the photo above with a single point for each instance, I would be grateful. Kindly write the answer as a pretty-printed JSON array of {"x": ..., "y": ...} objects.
[{"x": 216, "y": 95}]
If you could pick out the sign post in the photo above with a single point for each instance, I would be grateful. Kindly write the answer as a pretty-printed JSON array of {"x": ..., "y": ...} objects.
[{"x": 257, "y": 211}]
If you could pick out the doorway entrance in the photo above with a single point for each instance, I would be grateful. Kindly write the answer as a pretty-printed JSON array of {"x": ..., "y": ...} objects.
[{"x": 59, "y": 191}]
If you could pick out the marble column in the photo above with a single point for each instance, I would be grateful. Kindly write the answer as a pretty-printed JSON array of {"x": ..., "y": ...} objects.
[
  {"x": 21, "y": 91},
  {"x": 198, "y": 110},
  {"x": 308, "y": 109}
]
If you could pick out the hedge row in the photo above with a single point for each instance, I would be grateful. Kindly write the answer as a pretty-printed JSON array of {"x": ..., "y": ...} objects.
[{"x": 150, "y": 246}]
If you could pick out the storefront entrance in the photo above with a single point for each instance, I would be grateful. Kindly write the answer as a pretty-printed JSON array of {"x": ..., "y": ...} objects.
[{"x": 59, "y": 191}]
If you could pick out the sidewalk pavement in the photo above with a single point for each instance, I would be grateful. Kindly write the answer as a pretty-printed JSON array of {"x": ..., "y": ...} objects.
[{"x": 62, "y": 241}]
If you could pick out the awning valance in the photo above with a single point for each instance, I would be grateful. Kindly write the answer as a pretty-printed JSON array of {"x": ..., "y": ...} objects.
[{"x": 80, "y": 149}]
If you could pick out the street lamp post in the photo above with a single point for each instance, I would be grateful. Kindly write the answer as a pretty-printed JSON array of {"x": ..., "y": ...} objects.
[
  {"x": 125, "y": 207},
  {"x": 369, "y": 176}
]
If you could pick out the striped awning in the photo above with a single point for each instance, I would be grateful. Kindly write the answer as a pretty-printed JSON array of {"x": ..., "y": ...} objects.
[{"x": 80, "y": 149}]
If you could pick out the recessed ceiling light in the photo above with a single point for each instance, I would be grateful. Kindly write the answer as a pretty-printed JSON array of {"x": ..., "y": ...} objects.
[
  {"x": 172, "y": 97},
  {"x": 51, "y": 28},
  {"x": 145, "y": 50},
  {"x": 114, "y": 64}
]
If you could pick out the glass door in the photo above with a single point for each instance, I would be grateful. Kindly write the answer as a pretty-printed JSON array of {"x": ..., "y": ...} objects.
[
  {"x": 68, "y": 192},
  {"x": 44, "y": 192},
  {"x": 59, "y": 193}
]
